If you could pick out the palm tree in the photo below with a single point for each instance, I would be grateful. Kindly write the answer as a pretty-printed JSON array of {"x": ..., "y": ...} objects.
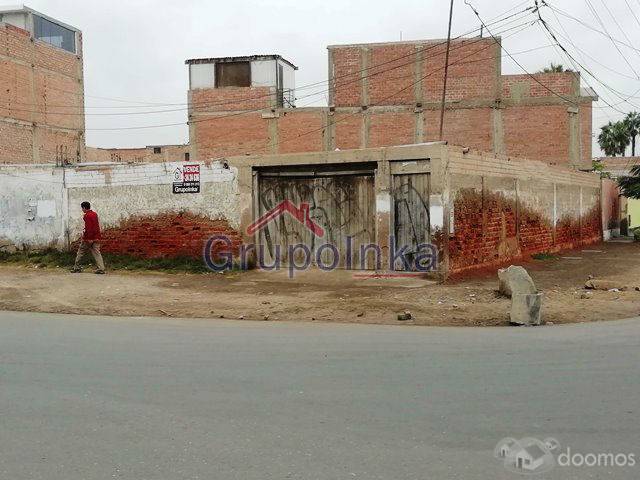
[
  {"x": 553, "y": 68},
  {"x": 632, "y": 121},
  {"x": 614, "y": 138}
]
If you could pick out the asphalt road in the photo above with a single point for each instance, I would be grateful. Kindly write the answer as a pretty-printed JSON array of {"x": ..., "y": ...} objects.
[{"x": 100, "y": 398}]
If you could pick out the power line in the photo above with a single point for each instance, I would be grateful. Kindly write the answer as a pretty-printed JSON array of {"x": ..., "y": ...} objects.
[
  {"x": 590, "y": 27},
  {"x": 632, "y": 12},
  {"x": 586, "y": 70},
  {"x": 568, "y": 100},
  {"x": 597, "y": 17}
]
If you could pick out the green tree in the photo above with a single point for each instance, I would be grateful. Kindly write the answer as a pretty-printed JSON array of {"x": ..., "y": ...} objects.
[
  {"x": 614, "y": 138},
  {"x": 632, "y": 121},
  {"x": 630, "y": 185}
]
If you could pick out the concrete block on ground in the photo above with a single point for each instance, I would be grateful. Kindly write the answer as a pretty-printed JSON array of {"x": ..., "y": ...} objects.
[
  {"x": 515, "y": 280},
  {"x": 526, "y": 308}
]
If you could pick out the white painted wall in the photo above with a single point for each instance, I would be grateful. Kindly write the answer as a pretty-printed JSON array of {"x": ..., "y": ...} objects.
[
  {"x": 17, "y": 19},
  {"x": 289, "y": 76},
  {"x": 32, "y": 205},
  {"x": 263, "y": 73},
  {"x": 202, "y": 75},
  {"x": 40, "y": 206}
]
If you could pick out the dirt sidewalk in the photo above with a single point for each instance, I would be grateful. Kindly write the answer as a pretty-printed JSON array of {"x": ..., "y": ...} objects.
[{"x": 332, "y": 297}]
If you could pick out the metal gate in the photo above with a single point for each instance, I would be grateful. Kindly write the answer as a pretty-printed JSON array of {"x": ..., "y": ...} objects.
[
  {"x": 341, "y": 201},
  {"x": 411, "y": 214}
]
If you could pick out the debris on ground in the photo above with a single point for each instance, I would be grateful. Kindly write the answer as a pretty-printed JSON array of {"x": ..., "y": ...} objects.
[
  {"x": 595, "y": 284},
  {"x": 406, "y": 315},
  {"x": 318, "y": 295}
]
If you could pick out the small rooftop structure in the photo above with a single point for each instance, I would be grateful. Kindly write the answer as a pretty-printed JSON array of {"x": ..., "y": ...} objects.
[
  {"x": 41, "y": 26},
  {"x": 250, "y": 71}
]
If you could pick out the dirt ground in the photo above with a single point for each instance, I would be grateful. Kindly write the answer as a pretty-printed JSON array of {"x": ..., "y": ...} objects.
[{"x": 335, "y": 296}]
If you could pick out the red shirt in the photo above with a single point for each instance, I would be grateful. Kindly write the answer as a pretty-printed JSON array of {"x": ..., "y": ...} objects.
[{"x": 91, "y": 226}]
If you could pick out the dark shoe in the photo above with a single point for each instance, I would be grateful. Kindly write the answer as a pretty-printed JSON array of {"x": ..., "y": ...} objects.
[
  {"x": 100, "y": 272},
  {"x": 76, "y": 270}
]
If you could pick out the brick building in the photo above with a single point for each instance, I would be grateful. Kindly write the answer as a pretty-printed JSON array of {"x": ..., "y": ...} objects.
[
  {"x": 389, "y": 94},
  {"x": 148, "y": 154},
  {"x": 41, "y": 89}
]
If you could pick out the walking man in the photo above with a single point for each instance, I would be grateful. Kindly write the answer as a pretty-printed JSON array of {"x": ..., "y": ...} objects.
[{"x": 90, "y": 240}]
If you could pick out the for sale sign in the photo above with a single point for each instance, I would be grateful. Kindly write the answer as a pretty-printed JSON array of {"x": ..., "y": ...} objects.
[{"x": 186, "y": 179}]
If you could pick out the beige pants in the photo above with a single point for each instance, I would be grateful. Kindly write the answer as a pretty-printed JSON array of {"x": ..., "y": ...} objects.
[{"x": 94, "y": 248}]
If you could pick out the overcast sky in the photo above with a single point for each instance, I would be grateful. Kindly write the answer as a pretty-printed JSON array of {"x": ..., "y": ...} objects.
[{"x": 134, "y": 51}]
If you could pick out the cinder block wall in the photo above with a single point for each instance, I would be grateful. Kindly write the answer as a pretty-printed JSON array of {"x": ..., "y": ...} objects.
[
  {"x": 41, "y": 100},
  {"x": 389, "y": 94}
]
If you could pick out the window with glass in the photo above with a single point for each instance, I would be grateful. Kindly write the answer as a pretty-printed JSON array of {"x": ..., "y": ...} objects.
[{"x": 54, "y": 34}]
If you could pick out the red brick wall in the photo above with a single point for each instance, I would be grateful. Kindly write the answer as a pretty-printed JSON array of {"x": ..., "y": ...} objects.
[
  {"x": 166, "y": 235},
  {"x": 561, "y": 83},
  {"x": 391, "y": 129},
  {"x": 217, "y": 137},
  {"x": 231, "y": 99},
  {"x": 473, "y": 72},
  {"x": 471, "y": 127},
  {"x": 391, "y": 75},
  {"x": 345, "y": 86},
  {"x": 41, "y": 100},
  {"x": 543, "y": 129},
  {"x": 294, "y": 128}
]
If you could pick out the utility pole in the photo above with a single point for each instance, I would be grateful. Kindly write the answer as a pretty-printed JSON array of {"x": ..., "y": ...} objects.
[{"x": 446, "y": 71}]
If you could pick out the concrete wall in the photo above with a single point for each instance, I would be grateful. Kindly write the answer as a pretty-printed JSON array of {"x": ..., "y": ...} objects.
[
  {"x": 41, "y": 100},
  {"x": 389, "y": 94},
  {"x": 139, "y": 214}
]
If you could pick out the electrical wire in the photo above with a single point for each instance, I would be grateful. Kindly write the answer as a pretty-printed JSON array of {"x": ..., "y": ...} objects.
[{"x": 256, "y": 110}]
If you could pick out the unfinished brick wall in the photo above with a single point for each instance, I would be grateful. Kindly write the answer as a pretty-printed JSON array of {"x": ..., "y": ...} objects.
[
  {"x": 389, "y": 94},
  {"x": 41, "y": 100}
]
